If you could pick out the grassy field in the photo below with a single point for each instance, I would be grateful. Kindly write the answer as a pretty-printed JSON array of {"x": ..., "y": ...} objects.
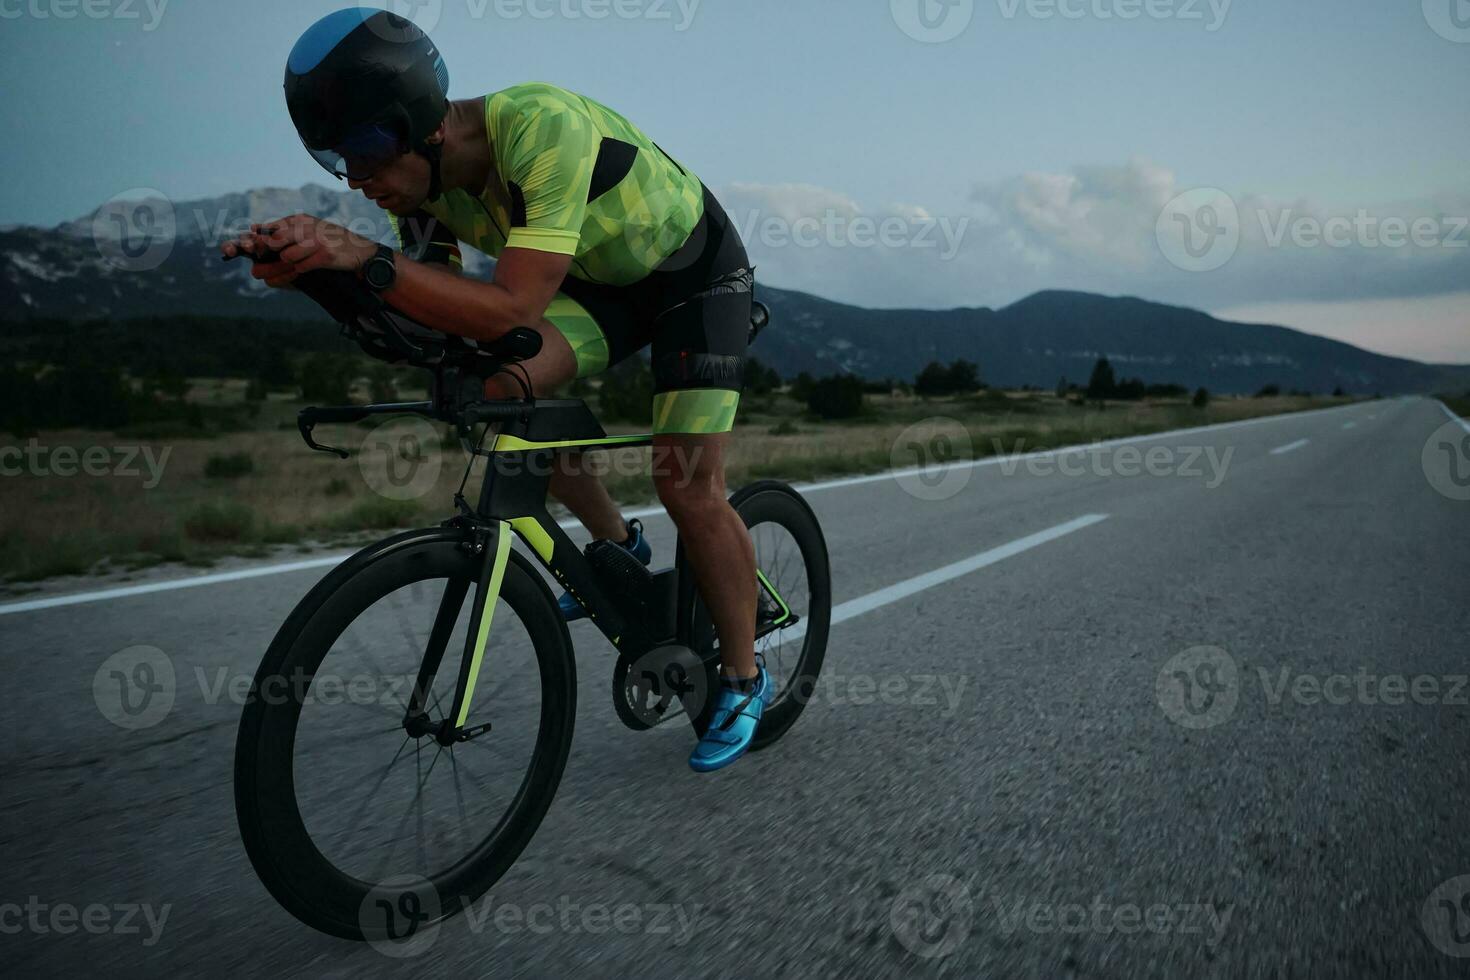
[{"x": 180, "y": 496}]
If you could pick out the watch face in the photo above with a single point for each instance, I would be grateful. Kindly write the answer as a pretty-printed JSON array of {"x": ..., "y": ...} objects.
[{"x": 379, "y": 272}]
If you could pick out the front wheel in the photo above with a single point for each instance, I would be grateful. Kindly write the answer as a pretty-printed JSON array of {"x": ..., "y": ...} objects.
[
  {"x": 794, "y": 600},
  {"x": 359, "y": 823}
]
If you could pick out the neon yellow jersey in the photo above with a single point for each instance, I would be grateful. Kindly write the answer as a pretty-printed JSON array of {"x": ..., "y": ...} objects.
[{"x": 573, "y": 177}]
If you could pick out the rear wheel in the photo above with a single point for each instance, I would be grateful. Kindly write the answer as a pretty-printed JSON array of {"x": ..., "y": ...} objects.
[
  {"x": 794, "y": 604},
  {"x": 358, "y": 827}
]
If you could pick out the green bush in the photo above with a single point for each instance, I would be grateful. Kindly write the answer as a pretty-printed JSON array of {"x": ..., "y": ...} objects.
[
  {"x": 229, "y": 467},
  {"x": 1269, "y": 391},
  {"x": 326, "y": 379},
  {"x": 1201, "y": 398},
  {"x": 784, "y": 428},
  {"x": 839, "y": 396},
  {"x": 220, "y": 520}
]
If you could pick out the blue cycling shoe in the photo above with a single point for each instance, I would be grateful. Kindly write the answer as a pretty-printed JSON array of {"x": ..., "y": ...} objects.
[
  {"x": 732, "y": 726},
  {"x": 636, "y": 545}
]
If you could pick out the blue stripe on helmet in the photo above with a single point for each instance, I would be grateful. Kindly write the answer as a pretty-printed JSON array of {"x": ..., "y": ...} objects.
[{"x": 320, "y": 38}]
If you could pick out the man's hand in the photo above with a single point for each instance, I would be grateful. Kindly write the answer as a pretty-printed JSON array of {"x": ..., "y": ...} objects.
[{"x": 304, "y": 243}]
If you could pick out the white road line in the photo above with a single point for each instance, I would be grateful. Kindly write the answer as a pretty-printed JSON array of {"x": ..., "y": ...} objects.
[
  {"x": 218, "y": 578},
  {"x": 1463, "y": 424},
  {"x": 888, "y": 595},
  {"x": 1350, "y": 425},
  {"x": 1289, "y": 447}
]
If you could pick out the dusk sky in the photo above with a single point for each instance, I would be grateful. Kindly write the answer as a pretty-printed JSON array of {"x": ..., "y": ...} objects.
[{"x": 926, "y": 153}]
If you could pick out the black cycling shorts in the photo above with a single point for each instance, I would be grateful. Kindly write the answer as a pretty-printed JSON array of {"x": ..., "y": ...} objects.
[{"x": 695, "y": 311}]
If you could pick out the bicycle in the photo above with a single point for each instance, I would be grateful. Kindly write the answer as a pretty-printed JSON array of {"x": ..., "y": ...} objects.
[{"x": 403, "y": 600}]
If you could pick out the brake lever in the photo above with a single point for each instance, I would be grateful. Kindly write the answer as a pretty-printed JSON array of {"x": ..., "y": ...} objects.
[{"x": 306, "y": 427}]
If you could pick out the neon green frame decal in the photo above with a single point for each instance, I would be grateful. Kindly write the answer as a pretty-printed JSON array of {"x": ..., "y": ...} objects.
[
  {"x": 504, "y": 443},
  {"x": 534, "y": 535},
  {"x": 487, "y": 613},
  {"x": 785, "y": 609}
]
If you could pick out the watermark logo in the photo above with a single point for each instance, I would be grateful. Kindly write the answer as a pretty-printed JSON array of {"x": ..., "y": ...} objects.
[
  {"x": 662, "y": 680},
  {"x": 90, "y": 9},
  {"x": 1125, "y": 918},
  {"x": 42, "y": 918},
  {"x": 922, "y": 454},
  {"x": 680, "y": 13},
  {"x": 933, "y": 917},
  {"x": 135, "y": 230},
  {"x": 1199, "y": 230},
  {"x": 1450, "y": 19},
  {"x": 134, "y": 688},
  {"x": 1126, "y": 10},
  {"x": 1205, "y": 463},
  {"x": 932, "y": 21},
  {"x": 835, "y": 228},
  {"x": 400, "y": 459},
  {"x": 400, "y": 916},
  {"x": 1446, "y": 460},
  {"x": 1446, "y": 917},
  {"x": 1199, "y": 687},
  {"x": 37, "y": 460}
]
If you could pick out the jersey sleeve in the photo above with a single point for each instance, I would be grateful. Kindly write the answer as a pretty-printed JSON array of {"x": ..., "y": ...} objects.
[
  {"x": 424, "y": 238},
  {"x": 546, "y": 145}
]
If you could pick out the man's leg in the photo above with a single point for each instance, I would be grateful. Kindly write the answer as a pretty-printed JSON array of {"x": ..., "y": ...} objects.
[
  {"x": 689, "y": 473},
  {"x": 582, "y": 492}
]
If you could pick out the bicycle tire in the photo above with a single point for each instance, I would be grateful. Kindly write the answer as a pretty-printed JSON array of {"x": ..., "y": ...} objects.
[
  {"x": 774, "y": 502},
  {"x": 293, "y": 869}
]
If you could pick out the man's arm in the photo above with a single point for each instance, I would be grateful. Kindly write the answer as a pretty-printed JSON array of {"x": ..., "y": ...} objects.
[{"x": 525, "y": 283}]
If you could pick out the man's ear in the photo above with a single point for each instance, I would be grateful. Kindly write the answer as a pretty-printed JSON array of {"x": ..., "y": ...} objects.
[{"x": 437, "y": 136}]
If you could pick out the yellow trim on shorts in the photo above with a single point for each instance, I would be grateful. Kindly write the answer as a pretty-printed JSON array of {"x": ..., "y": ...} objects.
[
  {"x": 589, "y": 344},
  {"x": 695, "y": 411}
]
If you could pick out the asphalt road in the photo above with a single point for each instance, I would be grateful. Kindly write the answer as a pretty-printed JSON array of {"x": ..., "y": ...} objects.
[{"x": 1218, "y": 728}]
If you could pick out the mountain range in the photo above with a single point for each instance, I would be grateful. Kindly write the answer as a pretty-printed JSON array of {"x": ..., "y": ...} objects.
[{"x": 90, "y": 269}]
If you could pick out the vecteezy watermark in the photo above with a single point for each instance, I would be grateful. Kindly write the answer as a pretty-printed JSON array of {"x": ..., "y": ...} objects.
[
  {"x": 1284, "y": 686},
  {"x": 401, "y": 459},
  {"x": 1105, "y": 918},
  {"x": 134, "y": 688},
  {"x": 923, "y": 457},
  {"x": 1199, "y": 687},
  {"x": 64, "y": 919},
  {"x": 35, "y": 459},
  {"x": 838, "y": 229},
  {"x": 911, "y": 690},
  {"x": 1199, "y": 230},
  {"x": 1210, "y": 13},
  {"x": 1450, "y": 19},
  {"x": 1445, "y": 917},
  {"x": 1362, "y": 230},
  {"x": 931, "y": 918},
  {"x": 1202, "y": 229},
  {"x": 1446, "y": 459},
  {"x": 135, "y": 231},
  {"x": 401, "y": 916},
  {"x": 678, "y": 13},
  {"x": 86, "y": 9},
  {"x": 932, "y": 21},
  {"x": 1187, "y": 462}
]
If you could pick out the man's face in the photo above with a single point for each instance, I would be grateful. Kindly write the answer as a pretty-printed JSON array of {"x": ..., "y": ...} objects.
[{"x": 401, "y": 185}]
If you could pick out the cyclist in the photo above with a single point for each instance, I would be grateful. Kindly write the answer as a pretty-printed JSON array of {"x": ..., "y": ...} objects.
[{"x": 604, "y": 244}]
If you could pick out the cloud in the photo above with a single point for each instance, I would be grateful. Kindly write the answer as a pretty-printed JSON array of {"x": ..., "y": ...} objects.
[{"x": 1099, "y": 228}]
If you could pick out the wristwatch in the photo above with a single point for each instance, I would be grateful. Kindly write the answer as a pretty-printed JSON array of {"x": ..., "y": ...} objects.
[{"x": 379, "y": 271}]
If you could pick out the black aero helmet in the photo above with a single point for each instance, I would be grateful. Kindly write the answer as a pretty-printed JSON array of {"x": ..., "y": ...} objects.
[{"x": 365, "y": 85}]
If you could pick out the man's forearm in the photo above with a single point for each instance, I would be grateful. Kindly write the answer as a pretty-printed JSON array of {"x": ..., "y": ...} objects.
[{"x": 453, "y": 303}]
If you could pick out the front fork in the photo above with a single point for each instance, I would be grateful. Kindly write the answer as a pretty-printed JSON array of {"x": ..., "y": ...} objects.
[{"x": 492, "y": 545}]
